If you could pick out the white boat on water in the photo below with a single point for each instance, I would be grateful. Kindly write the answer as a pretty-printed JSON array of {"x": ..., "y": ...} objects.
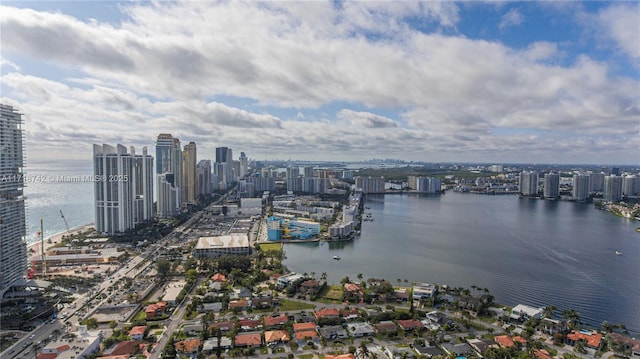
[
  {"x": 619, "y": 253},
  {"x": 336, "y": 258}
]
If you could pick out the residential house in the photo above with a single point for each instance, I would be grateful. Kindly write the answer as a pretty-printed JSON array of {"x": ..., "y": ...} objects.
[
  {"x": 276, "y": 336},
  {"x": 542, "y": 354},
  {"x": 592, "y": 339},
  {"x": 127, "y": 347},
  {"x": 458, "y": 350},
  {"x": 221, "y": 326},
  {"x": 625, "y": 343},
  {"x": 386, "y": 327},
  {"x": 409, "y": 324},
  {"x": 401, "y": 294},
  {"x": 219, "y": 278},
  {"x": 506, "y": 341},
  {"x": 310, "y": 287},
  {"x": 551, "y": 326},
  {"x": 428, "y": 351},
  {"x": 261, "y": 302},
  {"x": 275, "y": 321},
  {"x": 360, "y": 329},
  {"x": 188, "y": 347},
  {"x": 302, "y": 318},
  {"x": 424, "y": 291},
  {"x": 469, "y": 303},
  {"x": 137, "y": 332},
  {"x": 212, "y": 307},
  {"x": 156, "y": 309},
  {"x": 327, "y": 313},
  {"x": 248, "y": 340},
  {"x": 353, "y": 292},
  {"x": 522, "y": 313},
  {"x": 238, "y": 305},
  {"x": 333, "y": 332},
  {"x": 211, "y": 345},
  {"x": 436, "y": 317},
  {"x": 480, "y": 345},
  {"x": 305, "y": 331},
  {"x": 249, "y": 324},
  {"x": 192, "y": 329},
  {"x": 240, "y": 293},
  {"x": 395, "y": 352},
  {"x": 350, "y": 314}
]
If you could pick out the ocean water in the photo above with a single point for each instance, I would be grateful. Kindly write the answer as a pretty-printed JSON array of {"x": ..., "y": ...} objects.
[
  {"x": 52, "y": 187},
  {"x": 524, "y": 251}
]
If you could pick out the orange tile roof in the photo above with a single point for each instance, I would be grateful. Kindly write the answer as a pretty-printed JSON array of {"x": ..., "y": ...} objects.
[
  {"x": 352, "y": 287},
  {"x": 409, "y": 324},
  {"x": 542, "y": 354},
  {"x": 301, "y": 327},
  {"x": 249, "y": 339},
  {"x": 241, "y": 303},
  {"x": 593, "y": 339},
  {"x": 188, "y": 345},
  {"x": 269, "y": 320},
  {"x": 341, "y": 356},
  {"x": 219, "y": 277},
  {"x": 306, "y": 334},
  {"x": 276, "y": 335},
  {"x": 137, "y": 330},
  {"x": 63, "y": 347},
  {"x": 504, "y": 341},
  {"x": 327, "y": 313},
  {"x": 128, "y": 347},
  {"x": 46, "y": 355}
]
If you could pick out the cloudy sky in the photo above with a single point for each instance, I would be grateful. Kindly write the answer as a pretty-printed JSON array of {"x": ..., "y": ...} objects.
[{"x": 548, "y": 82}]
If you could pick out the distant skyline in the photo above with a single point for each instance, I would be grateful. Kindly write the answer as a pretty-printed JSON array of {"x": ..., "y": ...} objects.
[{"x": 496, "y": 82}]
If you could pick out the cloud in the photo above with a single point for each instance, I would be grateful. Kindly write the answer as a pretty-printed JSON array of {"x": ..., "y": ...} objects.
[
  {"x": 621, "y": 23},
  {"x": 512, "y": 18},
  {"x": 4, "y": 63},
  {"x": 366, "y": 119}
]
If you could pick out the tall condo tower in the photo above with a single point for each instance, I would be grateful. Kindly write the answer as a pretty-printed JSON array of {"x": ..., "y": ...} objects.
[
  {"x": 189, "y": 172},
  {"x": 612, "y": 188},
  {"x": 13, "y": 248},
  {"x": 123, "y": 187},
  {"x": 551, "y": 185},
  {"x": 168, "y": 175},
  {"x": 528, "y": 183},
  {"x": 580, "y": 187}
]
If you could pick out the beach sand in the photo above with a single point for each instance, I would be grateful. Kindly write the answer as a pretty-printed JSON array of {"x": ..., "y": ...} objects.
[{"x": 34, "y": 249}]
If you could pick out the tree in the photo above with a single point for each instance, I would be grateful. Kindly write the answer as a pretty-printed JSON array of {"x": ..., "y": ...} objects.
[
  {"x": 323, "y": 276},
  {"x": 163, "y": 266},
  {"x": 549, "y": 310},
  {"x": 359, "y": 276}
]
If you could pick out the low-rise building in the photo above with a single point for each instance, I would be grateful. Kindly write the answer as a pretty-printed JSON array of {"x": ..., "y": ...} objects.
[
  {"x": 592, "y": 339},
  {"x": 333, "y": 332},
  {"x": 386, "y": 327},
  {"x": 248, "y": 340},
  {"x": 424, "y": 291},
  {"x": 523, "y": 313},
  {"x": 137, "y": 332},
  {"x": 276, "y": 336},
  {"x": 230, "y": 244},
  {"x": 327, "y": 313},
  {"x": 155, "y": 309},
  {"x": 188, "y": 347},
  {"x": 211, "y": 345},
  {"x": 360, "y": 329},
  {"x": 273, "y": 321}
]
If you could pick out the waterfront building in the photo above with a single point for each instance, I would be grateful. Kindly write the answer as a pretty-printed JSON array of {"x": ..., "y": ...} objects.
[
  {"x": 580, "y": 190},
  {"x": 551, "y": 185},
  {"x": 370, "y": 184},
  {"x": 315, "y": 185},
  {"x": 596, "y": 182},
  {"x": 123, "y": 188},
  {"x": 612, "y": 188},
  {"x": 347, "y": 174},
  {"x": 189, "y": 172},
  {"x": 428, "y": 185},
  {"x": 422, "y": 291},
  {"x": 13, "y": 253},
  {"x": 349, "y": 213},
  {"x": 341, "y": 230},
  {"x": 203, "y": 170},
  {"x": 169, "y": 170},
  {"x": 230, "y": 244},
  {"x": 528, "y": 183},
  {"x": 630, "y": 185},
  {"x": 308, "y": 171},
  {"x": 273, "y": 229}
]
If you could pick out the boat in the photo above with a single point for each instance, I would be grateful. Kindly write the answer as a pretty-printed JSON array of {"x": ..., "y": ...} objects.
[
  {"x": 619, "y": 253},
  {"x": 336, "y": 258}
]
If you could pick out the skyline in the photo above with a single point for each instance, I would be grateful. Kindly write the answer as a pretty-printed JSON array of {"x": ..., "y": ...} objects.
[{"x": 550, "y": 82}]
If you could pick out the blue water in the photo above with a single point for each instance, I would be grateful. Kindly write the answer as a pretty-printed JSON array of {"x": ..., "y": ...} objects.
[
  {"x": 47, "y": 193},
  {"x": 524, "y": 251}
]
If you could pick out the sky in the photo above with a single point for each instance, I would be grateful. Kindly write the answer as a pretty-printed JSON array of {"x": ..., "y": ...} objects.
[{"x": 498, "y": 82}]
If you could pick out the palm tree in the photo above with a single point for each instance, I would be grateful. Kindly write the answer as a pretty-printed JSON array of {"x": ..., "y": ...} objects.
[
  {"x": 323, "y": 276},
  {"x": 359, "y": 276},
  {"x": 549, "y": 310}
]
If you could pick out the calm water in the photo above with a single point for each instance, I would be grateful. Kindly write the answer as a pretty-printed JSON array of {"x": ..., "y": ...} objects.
[
  {"x": 525, "y": 251},
  {"x": 50, "y": 194}
]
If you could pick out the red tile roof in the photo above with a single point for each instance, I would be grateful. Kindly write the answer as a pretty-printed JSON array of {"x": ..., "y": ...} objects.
[
  {"x": 138, "y": 330},
  {"x": 350, "y": 312},
  {"x": 249, "y": 323},
  {"x": 228, "y": 325},
  {"x": 352, "y": 287},
  {"x": 409, "y": 324},
  {"x": 301, "y": 327},
  {"x": 242, "y": 303},
  {"x": 270, "y": 320},
  {"x": 46, "y": 355},
  {"x": 248, "y": 339},
  {"x": 341, "y": 356},
  {"x": 593, "y": 339},
  {"x": 387, "y": 326},
  {"x": 542, "y": 354},
  {"x": 188, "y": 345},
  {"x": 219, "y": 277},
  {"x": 128, "y": 347},
  {"x": 504, "y": 341},
  {"x": 306, "y": 334},
  {"x": 327, "y": 313}
]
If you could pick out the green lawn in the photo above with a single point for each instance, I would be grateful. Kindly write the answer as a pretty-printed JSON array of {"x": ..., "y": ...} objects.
[
  {"x": 330, "y": 294},
  {"x": 305, "y": 356},
  {"x": 270, "y": 247},
  {"x": 286, "y": 304}
]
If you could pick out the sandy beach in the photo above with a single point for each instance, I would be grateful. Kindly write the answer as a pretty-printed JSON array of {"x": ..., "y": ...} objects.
[{"x": 34, "y": 250}]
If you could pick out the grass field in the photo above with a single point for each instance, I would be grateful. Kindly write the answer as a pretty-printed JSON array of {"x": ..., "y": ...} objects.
[
  {"x": 330, "y": 294},
  {"x": 270, "y": 247},
  {"x": 286, "y": 304}
]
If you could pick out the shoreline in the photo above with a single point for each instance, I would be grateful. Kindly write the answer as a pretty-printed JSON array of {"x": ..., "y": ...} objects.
[{"x": 55, "y": 239}]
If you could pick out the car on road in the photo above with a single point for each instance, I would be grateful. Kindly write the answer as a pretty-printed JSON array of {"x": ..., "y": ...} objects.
[{"x": 32, "y": 336}]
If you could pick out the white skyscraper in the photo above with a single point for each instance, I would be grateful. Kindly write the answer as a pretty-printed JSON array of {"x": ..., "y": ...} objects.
[
  {"x": 123, "y": 187},
  {"x": 189, "y": 174},
  {"x": 630, "y": 184},
  {"x": 612, "y": 188},
  {"x": 13, "y": 248},
  {"x": 580, "y": 190},
  {"x": 204, "y": 177}
]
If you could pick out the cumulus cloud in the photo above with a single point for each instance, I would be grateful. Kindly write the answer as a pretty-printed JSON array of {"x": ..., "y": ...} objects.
[
  {"x": 512, "y": 18},
  {"x": 155, "y": 72},
  {"x": 621, "y": 22}
]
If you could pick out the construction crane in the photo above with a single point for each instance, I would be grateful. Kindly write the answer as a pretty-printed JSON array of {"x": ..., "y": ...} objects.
[{"x": 66, "y": 225}]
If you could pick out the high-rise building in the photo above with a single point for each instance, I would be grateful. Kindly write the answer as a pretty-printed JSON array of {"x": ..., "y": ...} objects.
[
  {"x": 225, "y": 173},
  {"x": 308, "y": 171},
  {"x": 204, "y": 177},
  {"x": 596, "y": 182},
  {"x": 169, "y": 171},
  {"x": 13, "y": 248},
  {"x": 612, "y": 188},
  {"x": 123, "y": 187},
  {"x": 551, "y": 185},
  {"x": 244, "y": 165},
  {"x": 630, "y": 184},
  {"x": 189, "y": 174},
  {"x": 428, "y": 184},
  {"x": 223, "y": 155},
  {"x": 528, "y": 183},
  {"x": 370, "y": 184},
  {"x": 580, "y": 190}
]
